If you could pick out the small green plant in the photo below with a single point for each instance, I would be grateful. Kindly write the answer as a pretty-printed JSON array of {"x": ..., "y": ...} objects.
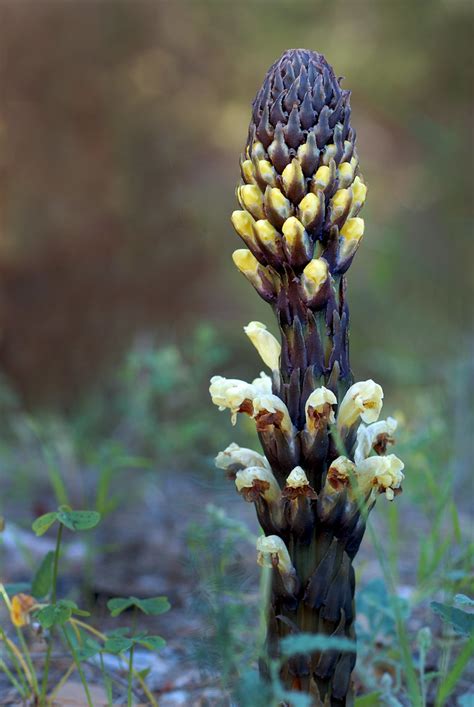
[{"x": 62, "y": 620}]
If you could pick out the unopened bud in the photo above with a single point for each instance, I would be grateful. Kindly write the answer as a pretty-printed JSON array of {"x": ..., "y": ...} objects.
[
  {"x": 340, "y": 204},
  {"x": 350, "y": 235},
  {"x": 297, "y": 244},
  {"x": 267, "y": 172},
  {"x": 243, "y": 223},
  {"x": 266, "y": 344},
  {"x": 293, "y": 181},
  {"x": 277, "y": 206},
  {"x": 345, "y": 174},
  {"x": 310, "y": 209},
  {"x": 313, "y": 278},
  {"x": 249, "y": 266},
  {"x": 248, "y": 172},
  {"x": 321, "y": 179},
  {"x": 251, "y": 198},
  {"x": 359, "y": 193}
]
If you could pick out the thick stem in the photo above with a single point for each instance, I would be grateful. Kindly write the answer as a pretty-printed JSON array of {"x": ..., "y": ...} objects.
[{"x": 324, "y": 605}]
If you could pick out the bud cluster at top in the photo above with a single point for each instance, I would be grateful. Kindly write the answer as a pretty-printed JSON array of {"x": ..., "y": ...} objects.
[{"x": 301, "y": 190}]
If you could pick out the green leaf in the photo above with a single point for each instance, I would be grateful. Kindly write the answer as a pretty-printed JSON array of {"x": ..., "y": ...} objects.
[
  {"x": 43, "y": 577},
  {"x": 370, "y": 700},
  {"x": 310, "y": 643},
  {"x": 462, "y": 621},
  {"x": 153, "y": 606},
  {"x": 452, "y": 678},
  {"x": 118, "y": 644},
  {"x": 116, "y": 606},
  {"x": 78, "y": 520},
  {"x": 153, "y": 643},
  {"x": 43, "y": 523},
  {"x": 54, "y": 614}
]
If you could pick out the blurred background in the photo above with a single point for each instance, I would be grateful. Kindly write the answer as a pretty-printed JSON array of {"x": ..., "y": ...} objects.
[{"x": 121, "y": 126}]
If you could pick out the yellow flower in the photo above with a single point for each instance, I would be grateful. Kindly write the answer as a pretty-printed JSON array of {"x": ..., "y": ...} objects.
[
  {"x": 266, "y": 344},
  {"x": 318, "y": 408},
  {"x": 383, "y": 474},
  {"x": 258, "y": 481},
  {"x": 363, "y": 399},
  {"x": 235, "y": 458},
  {"x": 340, "y": 473},
  {"x": 21, "y": 606},
  {"x": 233, "y": 394},
  {"x": 375, "y": 436},
  {"x": 272, "y": 552},
  {"x": 297, "y": 478},
  {"x": 270, "y": 410}
]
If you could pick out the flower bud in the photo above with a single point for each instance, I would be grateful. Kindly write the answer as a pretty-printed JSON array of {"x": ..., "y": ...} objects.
[
  {"x": 318, "y": 410},
  {"x": 350, "y": 235},
  {"x": 345, "y": 174},
  {"x": 329, "y": 153},
  {"x": 363, "y": 399},
  {"x": 273, "y": 553},
  {"x": 243, "y": 222},
  {"x": 277, "y": 206},
  {"x": 251, "y": 199},
  {"x": 313, "y": 280},
  {"x": 296, "y": 242},
  {"x": 249, "y": 266},
  {"x": 258, "y": 481},
  {"x": 383, "y": 474},
  {"x": 266, "y": 344},
  {"x": 248, "y": 172},
  {"x": 321, "y": 179},
  {"x": 267, "y": 173},
  {"x": 311, "y": 210},
  {"x": 268, "y": 237},
  {"x": 234, "y": 458},
  {"x": 340, "y": 204},
  {"x": 359, "y": 193},
  {"x": 294, "y": 181},
  {"x": 376, "y": 436}
]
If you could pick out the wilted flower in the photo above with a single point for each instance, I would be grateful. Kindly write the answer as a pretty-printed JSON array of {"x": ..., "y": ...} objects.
[
  {"x": 20, "y": 609},
  {"x": 257, "y": 481},
  {"x": 233, "y": 394},
  {"x": 363, "y": 399},
  {"x": 340, "y": 473},
  {"x": 270, "y": 410},
  {"x": 383, "y": 474},
  {"x": 272, "y": 552},
  {"x": 375, "y": 436},
  {"x": 318, "y": 409},
  {"x": 234, "y": 458},
  {"x": 297, "y": 478},
  {"x": 266, "y": 344}
]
